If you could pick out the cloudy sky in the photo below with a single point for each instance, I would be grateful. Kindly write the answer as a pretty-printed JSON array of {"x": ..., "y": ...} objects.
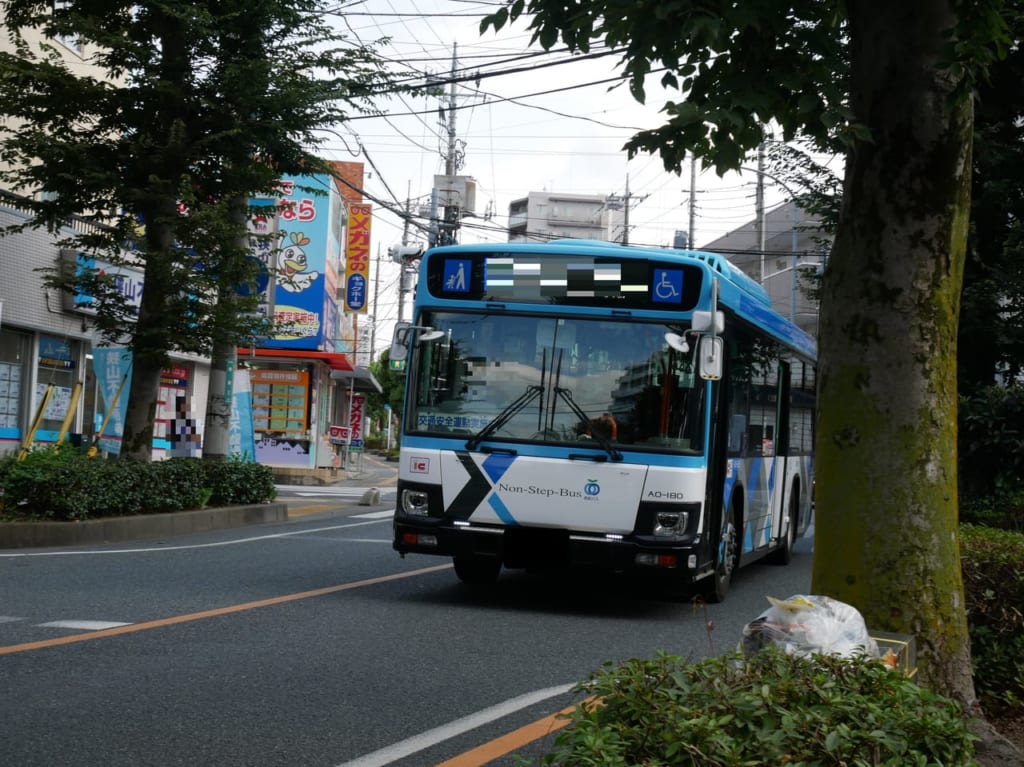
[{"x": 530, "y": 123}]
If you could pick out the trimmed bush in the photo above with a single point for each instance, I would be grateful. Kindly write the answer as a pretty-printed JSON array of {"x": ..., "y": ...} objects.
[
  {"x": 769, "y": 709},
  {"x": 66, "y": 485},
  {"x": 993, "y": 566}
]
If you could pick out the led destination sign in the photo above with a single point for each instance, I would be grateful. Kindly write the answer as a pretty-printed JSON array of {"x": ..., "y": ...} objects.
[{"x": 548, "y": 278}]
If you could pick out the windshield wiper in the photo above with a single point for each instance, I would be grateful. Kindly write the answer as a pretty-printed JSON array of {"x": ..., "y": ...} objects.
[
  {"x": 524, "y": 399},
  {"x": 599, "y": 438}
]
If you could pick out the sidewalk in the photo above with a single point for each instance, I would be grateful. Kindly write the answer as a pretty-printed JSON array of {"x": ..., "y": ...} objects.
[{"x": 371, "y": 471}]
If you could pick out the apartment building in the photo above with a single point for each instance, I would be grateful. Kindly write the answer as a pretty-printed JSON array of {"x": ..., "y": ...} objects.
[
  {"x": 543, "y": 216},
  {"x": 789, "y": 265}
]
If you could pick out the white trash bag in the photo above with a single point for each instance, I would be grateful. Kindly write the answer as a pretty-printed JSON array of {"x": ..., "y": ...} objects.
[{"x": 808, "y": 625}]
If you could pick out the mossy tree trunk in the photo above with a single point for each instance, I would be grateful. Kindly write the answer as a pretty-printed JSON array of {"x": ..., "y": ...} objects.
[{"x": 886, "y": 527}]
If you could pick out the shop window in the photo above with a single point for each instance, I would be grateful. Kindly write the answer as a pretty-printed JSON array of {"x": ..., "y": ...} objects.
[
  {"x": 280, "y": 401},
  {"x": 56, "y": 374},
  {"x": 14, "y": 352}
]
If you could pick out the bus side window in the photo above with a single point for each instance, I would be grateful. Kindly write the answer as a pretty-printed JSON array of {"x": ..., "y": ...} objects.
[{"x": 737, "y": 432}]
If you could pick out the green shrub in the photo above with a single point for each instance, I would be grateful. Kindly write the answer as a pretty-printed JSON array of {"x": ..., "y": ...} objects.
[
  {"x": 235, "y": 482},
  {"x": 1004, "y": 508},
  {"x": 992, "y": 561},
  {"x": 991, "y": 441},
  {"x": 769, "y": 709},
  {"x": 68, "y": 486}
]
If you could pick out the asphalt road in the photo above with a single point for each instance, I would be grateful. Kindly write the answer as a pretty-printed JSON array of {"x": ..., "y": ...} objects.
[{"x": 312, "y": 643}]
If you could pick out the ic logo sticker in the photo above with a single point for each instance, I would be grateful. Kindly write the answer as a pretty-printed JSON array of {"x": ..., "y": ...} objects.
[{"x": 419, "y": 465}]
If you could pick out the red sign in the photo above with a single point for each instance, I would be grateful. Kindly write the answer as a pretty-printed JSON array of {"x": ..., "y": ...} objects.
[
  {"x": 337, "y": 435},
  {"x": 355, "y": 417}
]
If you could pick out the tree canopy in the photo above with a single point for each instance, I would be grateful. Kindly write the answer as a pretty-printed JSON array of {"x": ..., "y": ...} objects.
[{"x": 183, "y": 109}]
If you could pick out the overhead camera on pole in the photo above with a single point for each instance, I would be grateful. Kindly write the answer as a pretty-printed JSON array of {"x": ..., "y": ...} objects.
[
  {"x": 405, "y": 254},
  {"x": 408, "y": 257}
]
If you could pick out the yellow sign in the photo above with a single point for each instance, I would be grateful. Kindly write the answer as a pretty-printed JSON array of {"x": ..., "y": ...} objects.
[{"x": 357, "y": 258}]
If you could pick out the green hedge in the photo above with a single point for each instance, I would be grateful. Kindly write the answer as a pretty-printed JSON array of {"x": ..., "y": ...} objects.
[
  {"x": 66, "y": 485},
  {"x": 992, "y": 561},
  {"x": 768, "y": 709}
]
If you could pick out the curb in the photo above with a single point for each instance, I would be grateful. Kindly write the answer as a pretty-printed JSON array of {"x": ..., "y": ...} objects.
[{"x": 15, "y": 535}]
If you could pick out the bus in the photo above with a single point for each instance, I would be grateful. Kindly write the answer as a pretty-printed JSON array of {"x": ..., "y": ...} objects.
[{"x": 580, "y": 403}]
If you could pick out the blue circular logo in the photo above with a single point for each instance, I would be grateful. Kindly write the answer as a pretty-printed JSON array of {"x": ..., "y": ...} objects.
[{"x": 592, "y": 488}]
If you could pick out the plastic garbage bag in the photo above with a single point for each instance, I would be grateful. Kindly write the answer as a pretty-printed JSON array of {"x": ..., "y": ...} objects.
[{"x": 808, "y": 625}]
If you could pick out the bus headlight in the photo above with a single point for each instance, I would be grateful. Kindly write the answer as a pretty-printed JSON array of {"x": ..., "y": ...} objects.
[
  {"x": 670, "y": 524},
  {"x": 415, "y": 502}
]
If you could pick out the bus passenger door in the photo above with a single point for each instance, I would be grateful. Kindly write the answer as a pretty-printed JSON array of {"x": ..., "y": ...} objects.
[{"x": 783, "y": 465}]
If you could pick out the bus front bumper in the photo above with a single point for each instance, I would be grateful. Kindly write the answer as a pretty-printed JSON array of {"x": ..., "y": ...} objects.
[{"x": 522, "y": 547}]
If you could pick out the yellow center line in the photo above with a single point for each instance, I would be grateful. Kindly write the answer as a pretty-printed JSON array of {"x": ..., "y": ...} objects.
[
  {"x": 298, "y": 511},
  {"x": 217, "y": 612},
  {"x": 528, "y": 733}
]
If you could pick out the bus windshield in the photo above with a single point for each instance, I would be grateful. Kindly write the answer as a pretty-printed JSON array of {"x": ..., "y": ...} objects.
[{"x": 604, "y": 383}]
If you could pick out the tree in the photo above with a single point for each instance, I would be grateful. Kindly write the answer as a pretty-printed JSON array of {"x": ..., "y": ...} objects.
[
  {"x": 391, "y": 382},
  {"x": 203, "y": 105},
  {"x": 893, "y": 83},
  {"x": 992, "y": 315}
]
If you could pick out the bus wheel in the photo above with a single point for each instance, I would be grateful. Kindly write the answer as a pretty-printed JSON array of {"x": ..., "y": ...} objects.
[
  {"x": 727, "y": 560},
  {"x": 784, "y": 554},
  {"x": 477, "y": 569}
]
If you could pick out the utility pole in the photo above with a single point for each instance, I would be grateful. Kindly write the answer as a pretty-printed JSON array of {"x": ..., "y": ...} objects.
[
  {"x": 614, "y": 201},
  {"x": 408, "y": 214},
  {"x": 452, "y": 163},
  {"x": 376, "y": 294},
  {"x": 693, "y": 202},
  {"x": 625, "y": 215},
  {"x": 759, "y": 205}
]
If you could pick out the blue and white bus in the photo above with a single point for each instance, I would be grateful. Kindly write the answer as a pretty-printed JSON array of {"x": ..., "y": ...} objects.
[{"x": 585, "y": 403}]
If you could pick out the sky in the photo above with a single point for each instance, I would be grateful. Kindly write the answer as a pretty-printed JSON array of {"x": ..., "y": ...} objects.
[{"x": 556, "y": 125}]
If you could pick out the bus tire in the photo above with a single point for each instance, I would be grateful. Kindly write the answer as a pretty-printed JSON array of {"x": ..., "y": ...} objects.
[
  {"x": 477, "y": 570},
  {"x": 727, "y": 560},
  {"x": 784, "y": 554}
]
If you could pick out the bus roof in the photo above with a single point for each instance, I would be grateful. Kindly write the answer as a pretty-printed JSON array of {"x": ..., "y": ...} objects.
[
  {"x": 719, "y": 263},
  {"x": 739, "y": 291}
]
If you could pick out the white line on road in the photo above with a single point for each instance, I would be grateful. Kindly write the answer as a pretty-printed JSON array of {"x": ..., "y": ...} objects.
[
  {"x": 375, "y": 515},
  {"x": 329, "y": 490},
  {"x": 82, "y": 625},
  {"x": 252, "y": 539},
  {"x": 432, "y": 737}
]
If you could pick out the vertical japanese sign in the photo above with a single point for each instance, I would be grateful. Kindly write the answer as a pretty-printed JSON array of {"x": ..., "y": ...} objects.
[
  {"x": 241, "y": 428},
  {"x": 113, "y": 364},
  {"x": 355, "y": 420},
  {"x": 357, "y": 257}
]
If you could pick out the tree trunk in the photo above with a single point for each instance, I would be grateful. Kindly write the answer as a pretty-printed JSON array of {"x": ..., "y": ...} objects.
[
  {"x": 217, "y": 427},
  {"x": 886, "y": 536},
  {"x": 151, "y": 338}
]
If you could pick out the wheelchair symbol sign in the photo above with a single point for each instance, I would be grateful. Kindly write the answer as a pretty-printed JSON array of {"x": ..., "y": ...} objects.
[{"x": 667, "y": 287}]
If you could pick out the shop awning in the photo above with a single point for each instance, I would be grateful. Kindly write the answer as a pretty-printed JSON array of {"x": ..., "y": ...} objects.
[
  {"x": 359, "y": 377},
  {"x": 336, "y": 361}
]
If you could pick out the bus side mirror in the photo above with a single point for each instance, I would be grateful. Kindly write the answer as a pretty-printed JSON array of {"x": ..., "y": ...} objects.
[
  {"x": 400, "y": 342},
  {"x": 711, "y": 355}
]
